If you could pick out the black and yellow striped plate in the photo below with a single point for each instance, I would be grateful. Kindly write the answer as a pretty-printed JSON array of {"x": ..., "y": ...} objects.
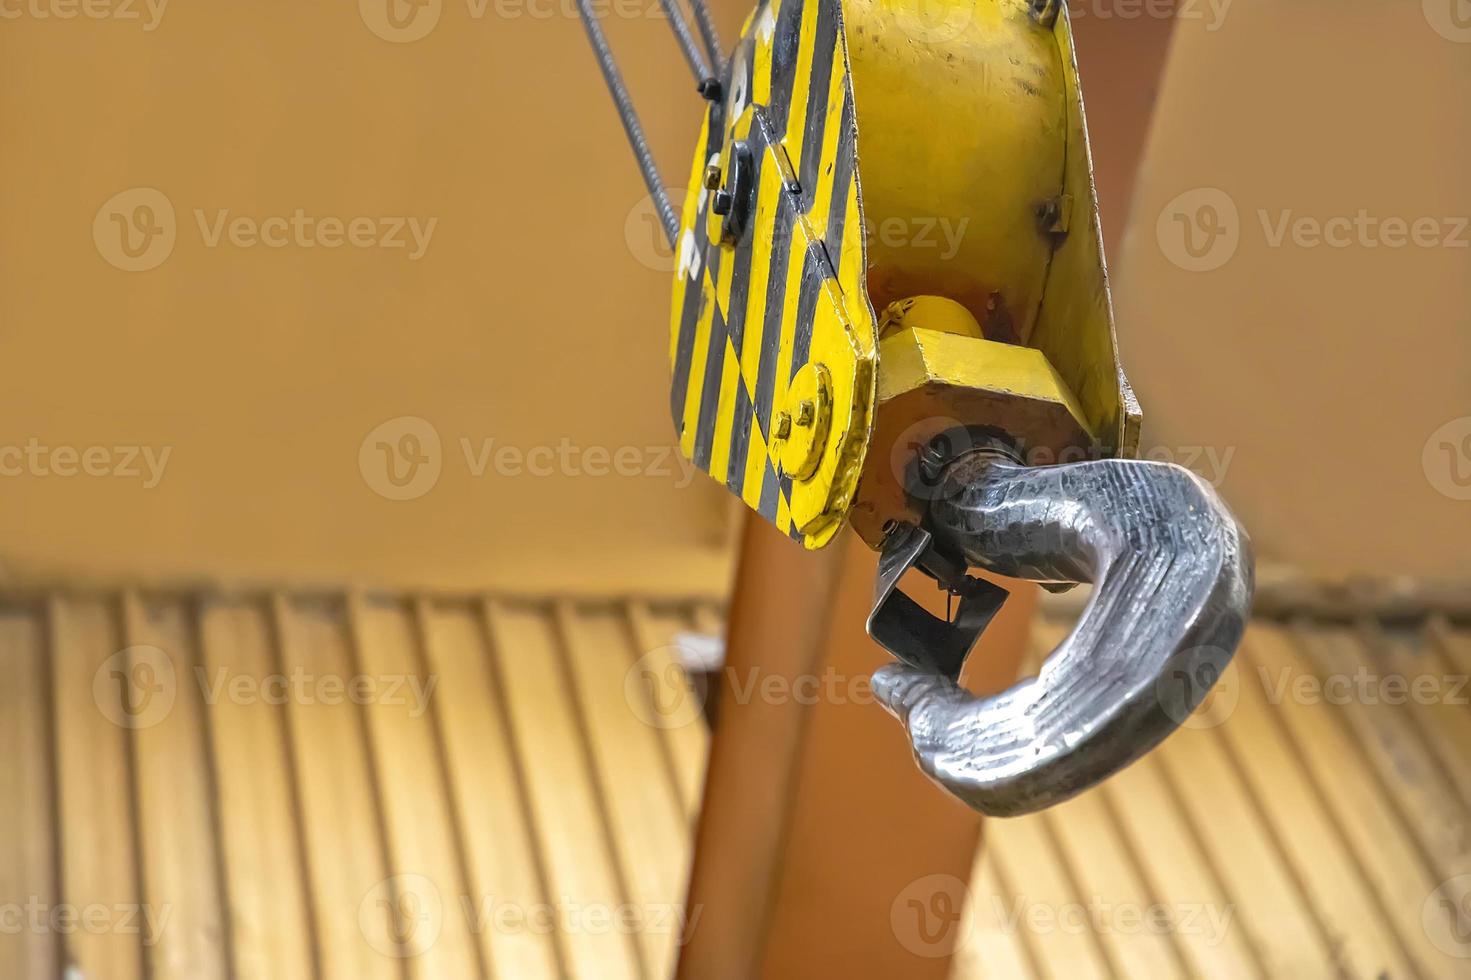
[{"x": 790, "y": 290}]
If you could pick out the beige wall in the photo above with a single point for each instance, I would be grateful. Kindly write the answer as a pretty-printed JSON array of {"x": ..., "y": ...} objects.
[
  {"x": 530, "y": 319},
  {"x": 537, "y": 314},
  {"x": 1326, "y": 370}
]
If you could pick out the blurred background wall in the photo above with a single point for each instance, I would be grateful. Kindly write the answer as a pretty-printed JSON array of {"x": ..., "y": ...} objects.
[
  {"x": 1319, "y": 336},
  {"x": 501, "y": 370}
]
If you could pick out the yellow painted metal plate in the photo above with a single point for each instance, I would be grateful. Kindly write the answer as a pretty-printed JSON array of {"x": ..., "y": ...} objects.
[
  {"x": 1075, "y": 326},
  {"x": 975, "y": 185},
  {"x": 791, "y": 290}
]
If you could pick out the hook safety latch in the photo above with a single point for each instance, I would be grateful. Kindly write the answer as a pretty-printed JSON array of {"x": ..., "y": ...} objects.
[{"x": 905, "y": 628}]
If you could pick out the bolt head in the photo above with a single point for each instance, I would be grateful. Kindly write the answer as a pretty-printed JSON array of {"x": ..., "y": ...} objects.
[
  {"x": 808, "y": 402},
  {"x": 783, "y": 427},
  {"x": 712, "y": 178}
]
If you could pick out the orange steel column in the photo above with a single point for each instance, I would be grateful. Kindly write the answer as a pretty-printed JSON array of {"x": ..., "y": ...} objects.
[{"x": 817, "y": 827}]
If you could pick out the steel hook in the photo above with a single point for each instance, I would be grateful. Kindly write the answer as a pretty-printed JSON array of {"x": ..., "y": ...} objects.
[{"x": 1172, "y": 575}]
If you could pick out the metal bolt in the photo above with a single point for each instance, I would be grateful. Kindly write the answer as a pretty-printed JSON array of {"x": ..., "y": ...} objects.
[
  {"x": 783, "y": 425},
  {"x": 712, "y": 178},
  {"x": 722, "y": 202},
  {"x": 806, "y": 412}
]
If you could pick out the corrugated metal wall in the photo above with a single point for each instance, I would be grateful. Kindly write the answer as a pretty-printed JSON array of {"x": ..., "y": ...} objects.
[
  {"x": 344, "y": 786},
  {"x": 1310, "y": 821},
  {"x": 351, "y": 786}
]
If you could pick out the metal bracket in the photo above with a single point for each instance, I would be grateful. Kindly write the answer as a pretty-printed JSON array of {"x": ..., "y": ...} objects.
[
  {"x": 733, "y": 201},
  {"x": 904, "y": 628}
]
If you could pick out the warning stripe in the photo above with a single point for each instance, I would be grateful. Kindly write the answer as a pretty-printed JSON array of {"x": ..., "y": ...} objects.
[
  {"x": 695, "y": 297},
  {"x": 739, "y": 342}
]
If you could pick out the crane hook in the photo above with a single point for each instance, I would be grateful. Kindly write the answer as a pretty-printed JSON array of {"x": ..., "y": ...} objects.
[{"x": 1172, "y": 576}]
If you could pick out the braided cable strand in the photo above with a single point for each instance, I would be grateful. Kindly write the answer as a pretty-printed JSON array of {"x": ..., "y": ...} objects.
[
  {"x": 706, "y": 24},
  {"x": 686, "y": 40},
  {"x": 636, "y": 139}
]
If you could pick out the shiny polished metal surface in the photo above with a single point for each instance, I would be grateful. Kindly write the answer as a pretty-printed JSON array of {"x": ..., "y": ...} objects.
[{"x": 1172, "y": 576}]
